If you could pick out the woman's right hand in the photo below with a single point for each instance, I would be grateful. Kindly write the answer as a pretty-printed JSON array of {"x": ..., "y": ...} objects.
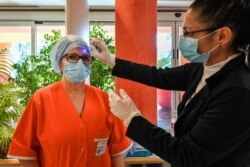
[
  {"x": 123, "y": 107},
  {"x": 100, "y": 50}
]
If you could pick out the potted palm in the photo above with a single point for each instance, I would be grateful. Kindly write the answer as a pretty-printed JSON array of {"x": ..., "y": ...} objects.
[{"x": 10, "y": 109}]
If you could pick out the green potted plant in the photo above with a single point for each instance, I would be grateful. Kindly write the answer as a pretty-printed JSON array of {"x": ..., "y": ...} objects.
[
  {"x": 10, "y": 108},
  {"x": 10, "y": 111}
]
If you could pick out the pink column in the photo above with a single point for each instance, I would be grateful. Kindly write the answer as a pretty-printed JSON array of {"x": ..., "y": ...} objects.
[{"x": 136, "y": 27}]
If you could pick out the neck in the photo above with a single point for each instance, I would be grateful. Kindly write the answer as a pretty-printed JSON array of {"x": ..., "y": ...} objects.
[
  {"x": 71, "y": 87},
  {"x": 217, "y": 57}
]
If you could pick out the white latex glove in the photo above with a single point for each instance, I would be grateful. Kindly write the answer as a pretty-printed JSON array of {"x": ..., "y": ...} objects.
[
  {"x": 100, "y": 50},
  {"x": 123, "y": 107}
]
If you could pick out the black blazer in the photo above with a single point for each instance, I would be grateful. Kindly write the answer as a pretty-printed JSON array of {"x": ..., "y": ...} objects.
[{"x": 212, "y": 130}]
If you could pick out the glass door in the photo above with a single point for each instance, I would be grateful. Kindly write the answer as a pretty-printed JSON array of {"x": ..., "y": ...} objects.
[
  {"x": 181, "y": 60},
  {"x": 167, "y": 56}
]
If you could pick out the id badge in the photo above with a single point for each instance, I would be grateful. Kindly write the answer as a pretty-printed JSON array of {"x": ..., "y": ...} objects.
[{"x": 101, "y": 146}]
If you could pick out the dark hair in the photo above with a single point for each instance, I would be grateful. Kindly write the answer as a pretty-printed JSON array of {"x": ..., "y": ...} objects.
[{"x": 234, "y": 14}]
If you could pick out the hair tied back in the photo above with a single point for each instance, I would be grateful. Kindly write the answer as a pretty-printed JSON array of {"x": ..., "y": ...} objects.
[{"x": 246, "y": 52}]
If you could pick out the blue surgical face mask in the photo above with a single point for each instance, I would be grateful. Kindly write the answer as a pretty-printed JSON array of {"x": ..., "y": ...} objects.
[
  {"x": 189, "y": 49},
  {"x": 76, "y": 72}
]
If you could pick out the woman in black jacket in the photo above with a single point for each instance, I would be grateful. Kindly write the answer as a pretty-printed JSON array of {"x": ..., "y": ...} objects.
[{"x": 213, "y": 125}]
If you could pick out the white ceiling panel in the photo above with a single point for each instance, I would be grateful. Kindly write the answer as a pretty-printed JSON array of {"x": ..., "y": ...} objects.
[{"x": 93, "y": 3}]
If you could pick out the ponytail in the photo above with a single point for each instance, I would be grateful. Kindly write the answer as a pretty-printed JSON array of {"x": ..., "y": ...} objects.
[
  {"x": 245, "y": 51},
  {"x": 247, "y": 56}
]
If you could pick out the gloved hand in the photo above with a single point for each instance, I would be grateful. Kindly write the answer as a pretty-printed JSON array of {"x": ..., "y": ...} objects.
[
  {"x": 100, "y": 50},
  {"x": 123, "y": 107}
]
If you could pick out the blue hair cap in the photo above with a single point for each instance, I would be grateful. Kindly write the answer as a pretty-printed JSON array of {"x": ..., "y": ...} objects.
[{"x": 63, "y": 46}]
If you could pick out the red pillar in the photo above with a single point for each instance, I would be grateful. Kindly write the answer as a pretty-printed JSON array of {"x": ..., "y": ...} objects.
[{"x": 136, "y": 28}]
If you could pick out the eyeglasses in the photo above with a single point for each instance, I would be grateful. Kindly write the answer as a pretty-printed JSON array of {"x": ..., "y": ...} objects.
[
  {"x": 73, "y": 58},
  {"x": 191, "y": 33}
]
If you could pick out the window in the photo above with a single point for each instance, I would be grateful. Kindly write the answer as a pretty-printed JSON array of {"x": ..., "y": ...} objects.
[{"x": 17, "y": 39}]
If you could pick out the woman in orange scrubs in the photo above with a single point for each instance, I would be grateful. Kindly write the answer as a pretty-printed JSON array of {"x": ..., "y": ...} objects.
[{"x": 69, "y": 123}]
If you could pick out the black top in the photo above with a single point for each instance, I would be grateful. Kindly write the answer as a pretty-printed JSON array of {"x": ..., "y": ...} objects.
[{"x": 213, "y": 129}]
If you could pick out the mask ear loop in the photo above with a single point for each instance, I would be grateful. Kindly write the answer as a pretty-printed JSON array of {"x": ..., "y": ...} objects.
[
  {"x": 216, "y": 45},
  {"x": 209, "y": 34}
]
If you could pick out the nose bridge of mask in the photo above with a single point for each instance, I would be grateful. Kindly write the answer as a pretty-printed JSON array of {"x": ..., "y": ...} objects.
[{"x": 188, "y": 42}]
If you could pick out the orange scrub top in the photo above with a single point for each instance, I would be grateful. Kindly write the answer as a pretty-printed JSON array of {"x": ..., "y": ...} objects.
[{"x": 51, "y": 131}]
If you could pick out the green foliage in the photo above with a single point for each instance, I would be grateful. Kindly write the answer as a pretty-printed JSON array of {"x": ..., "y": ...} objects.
[
  {"x": 101, "y": 76},
  {"x": 9, "y": 108},
  {"x": 35, "y": 71},
  {"x": 162, "y": 63},
  {"x": 164, "y": 60},
  {"x": 10, "y": 111}
]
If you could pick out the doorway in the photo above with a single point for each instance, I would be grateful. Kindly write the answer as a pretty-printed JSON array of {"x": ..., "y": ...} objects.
[{"x": 168, "y": 56}]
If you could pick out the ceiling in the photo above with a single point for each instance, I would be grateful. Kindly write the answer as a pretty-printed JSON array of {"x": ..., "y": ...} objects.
[{"x": 92, "y": 3}]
